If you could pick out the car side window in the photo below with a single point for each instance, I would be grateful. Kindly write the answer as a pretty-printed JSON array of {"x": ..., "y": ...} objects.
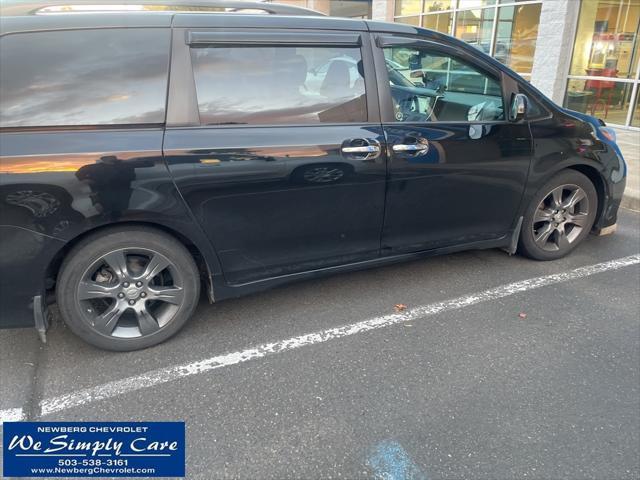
[
  {"x": 279, "y": 85},
  {"x": 430, "y": 86},
  {"x": 111, "y": 76}
]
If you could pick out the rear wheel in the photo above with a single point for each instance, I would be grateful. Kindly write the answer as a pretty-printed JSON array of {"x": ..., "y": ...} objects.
[
  {"x": 127, "y": 289},
  {"x": 559, "y": 217}
]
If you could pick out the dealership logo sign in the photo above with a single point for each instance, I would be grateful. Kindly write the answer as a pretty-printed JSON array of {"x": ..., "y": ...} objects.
[{"x": 91, "y": 449}]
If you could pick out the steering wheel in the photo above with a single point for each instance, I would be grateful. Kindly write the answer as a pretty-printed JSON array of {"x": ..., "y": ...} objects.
[{"x": 406, "y": 107}]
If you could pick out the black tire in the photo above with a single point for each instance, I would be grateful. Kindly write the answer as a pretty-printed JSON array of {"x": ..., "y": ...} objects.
[
  {"x": 167, "y": 294},
  {"x": 569, "y": 226}
]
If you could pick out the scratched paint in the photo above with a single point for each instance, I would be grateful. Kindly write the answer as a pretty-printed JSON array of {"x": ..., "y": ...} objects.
[{"x": 389, "y": 461}]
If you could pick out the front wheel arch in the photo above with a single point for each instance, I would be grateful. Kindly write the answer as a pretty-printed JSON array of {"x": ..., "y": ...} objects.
[{"x": 598, "y": 182}]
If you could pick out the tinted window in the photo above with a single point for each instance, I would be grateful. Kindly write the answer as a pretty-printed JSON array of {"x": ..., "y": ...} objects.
[
  {"x": 431, "y": 86},
  {"x": 84, "y": 77},
  {"x": 276, "y": 85}
]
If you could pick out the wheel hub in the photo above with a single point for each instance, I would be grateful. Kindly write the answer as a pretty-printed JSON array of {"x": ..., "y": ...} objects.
[{"x": 132, "y": 292}]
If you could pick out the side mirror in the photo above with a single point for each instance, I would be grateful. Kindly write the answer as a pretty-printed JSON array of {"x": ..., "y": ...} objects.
[{"x": 518, "y": 110}]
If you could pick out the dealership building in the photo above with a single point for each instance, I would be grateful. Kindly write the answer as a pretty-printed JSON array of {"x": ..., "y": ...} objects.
[{"x": 581, "y": 53}]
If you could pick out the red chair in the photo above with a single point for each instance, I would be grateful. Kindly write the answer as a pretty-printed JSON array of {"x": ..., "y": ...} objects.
[{"x": 603, "y": 89}]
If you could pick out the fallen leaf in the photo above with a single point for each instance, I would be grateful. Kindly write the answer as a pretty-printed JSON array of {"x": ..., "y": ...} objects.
[{"x": 522, "y": 315}]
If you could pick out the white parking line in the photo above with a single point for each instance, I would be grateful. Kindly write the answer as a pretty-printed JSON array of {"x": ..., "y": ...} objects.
[
  {"x": 171, "y": 373},
  {"x": 11, "y": 415}
]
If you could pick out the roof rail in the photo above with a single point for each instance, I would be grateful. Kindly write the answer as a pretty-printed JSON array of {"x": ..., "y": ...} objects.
[{"x": 21, "y": 7}]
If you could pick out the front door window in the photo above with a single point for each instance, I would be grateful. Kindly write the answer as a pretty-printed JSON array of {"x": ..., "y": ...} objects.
[{"x": 430, "y": 86}]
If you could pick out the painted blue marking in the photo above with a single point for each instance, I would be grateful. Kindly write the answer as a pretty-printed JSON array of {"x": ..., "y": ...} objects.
[{"x": 389, "y": 461}]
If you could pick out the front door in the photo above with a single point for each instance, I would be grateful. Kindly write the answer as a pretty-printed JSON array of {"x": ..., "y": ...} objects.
[
  {"x": 457, "y": 167},
  {"x": 285, "y": 165}
]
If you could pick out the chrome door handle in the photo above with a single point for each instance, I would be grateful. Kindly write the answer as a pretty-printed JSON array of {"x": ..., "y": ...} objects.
[
  {"x": 362, "y": 149},
  {"x": 412, "y": 147}
]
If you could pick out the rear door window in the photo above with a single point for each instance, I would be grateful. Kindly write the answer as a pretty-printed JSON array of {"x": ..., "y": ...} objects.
[
  {"x": 84, "y": 77},
  {"x": 279, "y": 85}
]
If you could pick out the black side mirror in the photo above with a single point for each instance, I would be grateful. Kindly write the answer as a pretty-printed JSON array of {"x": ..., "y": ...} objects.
[{"x": 518, "y": 110}]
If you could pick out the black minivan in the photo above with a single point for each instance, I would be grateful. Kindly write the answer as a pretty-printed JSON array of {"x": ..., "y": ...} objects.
[{"x": 227, "y": 146}]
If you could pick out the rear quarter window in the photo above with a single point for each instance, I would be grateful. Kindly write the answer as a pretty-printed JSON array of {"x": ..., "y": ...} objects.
[{"x": 84, "y": 77}]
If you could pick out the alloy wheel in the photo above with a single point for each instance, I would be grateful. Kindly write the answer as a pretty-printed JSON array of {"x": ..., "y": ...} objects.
[
  {"x": 560, "y": 218},
  {"x": 130, "y": 293}
]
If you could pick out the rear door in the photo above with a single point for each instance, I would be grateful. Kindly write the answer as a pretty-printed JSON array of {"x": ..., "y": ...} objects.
[
  {"x": 457, "y": 167},
  {"x": 275, "y": 143}
]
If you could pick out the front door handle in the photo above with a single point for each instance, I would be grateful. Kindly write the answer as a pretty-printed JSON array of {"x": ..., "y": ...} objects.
[
  {"x": 361, "y": 149},
  {"x": 411, "y": 148}
]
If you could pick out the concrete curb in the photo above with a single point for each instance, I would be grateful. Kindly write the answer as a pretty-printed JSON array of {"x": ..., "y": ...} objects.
[{"x": 631, "y": 202}]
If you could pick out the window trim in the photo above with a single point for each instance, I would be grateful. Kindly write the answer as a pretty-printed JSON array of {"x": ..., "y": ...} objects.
[
  {"x": 386, "y": 103},
  {"x": 205, "y": 38},
  {"x": 182, "y": 107}
]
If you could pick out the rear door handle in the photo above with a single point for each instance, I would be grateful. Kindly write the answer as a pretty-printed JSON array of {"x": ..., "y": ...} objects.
[{"x": 361, "y": 149}]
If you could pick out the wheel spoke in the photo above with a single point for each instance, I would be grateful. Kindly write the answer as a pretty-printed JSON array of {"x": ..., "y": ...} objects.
[
  {"x": 107, "y": 321},
  {"x": 117, "y": 261},
  {"x": 543, "y": 234},
  {"x": 146, "y": 322},
  {"x": 542, "y": 215},
  {"x": 157, "y": 263},
  {"x": 579, "y": 219},
  {"x": 88, "y": 290},
  {"x": 576, "y": 196},
  {"x": 556, "y": 197},
  {"x": 173, "y": 295}
]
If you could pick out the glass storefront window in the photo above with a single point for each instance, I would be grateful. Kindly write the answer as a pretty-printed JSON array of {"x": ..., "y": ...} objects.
[
  {"x": 440, "y": 22},
  {"x": 506, "y": 29},
  {"x": 474, "y": 27},
  {"x": 606, "y": 99},
  {"x": 516, "y": 36},
  {"x": 408, "y": 7},
  {"x": 606, "y": 46},
  {"x": 475, "y": 3},
  {"x": 606, "y": 40},
  {"x": 409, "y": 20},
  {"x": 635, "y": 120},
  {"x": 438, "y": 5}
]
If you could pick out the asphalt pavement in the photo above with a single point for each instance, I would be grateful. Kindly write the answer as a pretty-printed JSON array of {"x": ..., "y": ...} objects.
[{"x": 541, "y": 382}]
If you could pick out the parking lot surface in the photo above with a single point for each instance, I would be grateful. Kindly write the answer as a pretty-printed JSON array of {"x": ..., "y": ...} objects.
[{"x": 538, "y": 381}]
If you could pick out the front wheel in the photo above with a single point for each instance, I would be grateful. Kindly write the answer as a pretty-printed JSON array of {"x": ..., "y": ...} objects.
[
  {"x": 127, "y": 289},
  {"x": 559, "y": 216}
]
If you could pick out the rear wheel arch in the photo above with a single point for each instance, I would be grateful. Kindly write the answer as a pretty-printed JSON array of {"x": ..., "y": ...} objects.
[{"x": 196, "y": 251}]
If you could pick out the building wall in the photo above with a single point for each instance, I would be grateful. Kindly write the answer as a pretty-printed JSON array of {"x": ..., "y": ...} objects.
[{"x": 554, "y": 47}]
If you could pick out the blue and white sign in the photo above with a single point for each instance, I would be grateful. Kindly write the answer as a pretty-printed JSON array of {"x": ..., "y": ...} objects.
[{"x": 93, "y": 449}]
